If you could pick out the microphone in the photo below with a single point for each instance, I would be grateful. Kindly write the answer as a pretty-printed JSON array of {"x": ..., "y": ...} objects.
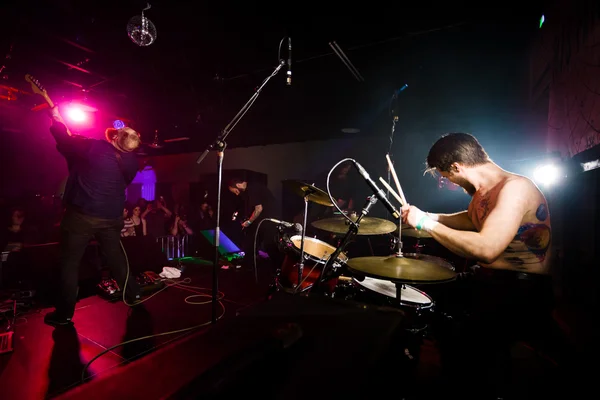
[
  {"x": 380, "y": 194},
  {"x": 397, "y": 92},
  {"x": 296, "y": 226},
  {"x": 289, "y": 63}
]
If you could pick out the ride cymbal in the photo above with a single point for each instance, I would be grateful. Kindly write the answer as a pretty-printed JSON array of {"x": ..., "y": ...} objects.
[
  {"x": 368, "y": 226},
  {"x": 312, "y": 193},
  {"x": 400, "y": 269}
]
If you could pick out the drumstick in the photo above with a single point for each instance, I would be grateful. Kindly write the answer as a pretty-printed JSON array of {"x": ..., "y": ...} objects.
[
  {"x": 393, "y": 171},
  {"x": 392, "y": 191}
]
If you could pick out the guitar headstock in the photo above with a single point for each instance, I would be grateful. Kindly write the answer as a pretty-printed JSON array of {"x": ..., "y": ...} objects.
[{"x": 37, "y": 87}]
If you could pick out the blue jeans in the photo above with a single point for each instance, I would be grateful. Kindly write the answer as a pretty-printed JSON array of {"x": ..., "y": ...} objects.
[{"x": 76, "y": 231}]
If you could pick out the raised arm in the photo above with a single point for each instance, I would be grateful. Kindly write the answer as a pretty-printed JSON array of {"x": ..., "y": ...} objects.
[{"x": 67, "y": 145}]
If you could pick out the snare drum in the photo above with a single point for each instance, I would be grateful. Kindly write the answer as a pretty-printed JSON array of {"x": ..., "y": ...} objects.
[
  {"x": 316, "y": 254},
  {"x": 416, "y": 304}
]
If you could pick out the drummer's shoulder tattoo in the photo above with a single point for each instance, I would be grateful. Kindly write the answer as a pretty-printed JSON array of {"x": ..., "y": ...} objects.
[{"x": 484, "y": 206}]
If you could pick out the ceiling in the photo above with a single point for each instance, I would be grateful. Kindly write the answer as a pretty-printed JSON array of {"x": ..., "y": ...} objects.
[{"x": 207, "y": 62}]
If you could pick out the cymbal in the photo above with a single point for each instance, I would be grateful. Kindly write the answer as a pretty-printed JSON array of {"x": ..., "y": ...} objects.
[
  {"x": 400, "y": 269},
  {"x": 313, "y": 193},
  {"x": 368, "y": 226},
  {"x": 409, "y": 231}
]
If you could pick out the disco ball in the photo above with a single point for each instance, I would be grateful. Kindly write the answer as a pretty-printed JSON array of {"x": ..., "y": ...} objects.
[{"x": 141, "y": 30}]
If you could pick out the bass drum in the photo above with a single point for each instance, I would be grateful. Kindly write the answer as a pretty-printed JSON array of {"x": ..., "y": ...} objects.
[{"x": 316, "y": 254}]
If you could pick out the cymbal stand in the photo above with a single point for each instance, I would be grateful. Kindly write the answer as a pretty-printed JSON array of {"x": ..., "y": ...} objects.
[
  {"x": 301, "y": 263},
  {"x": 399, "y": 253},
  {"x": 399, "y": 286},
  {"x": 352, "y": 230},
  {"x": 418, "y": 246}
]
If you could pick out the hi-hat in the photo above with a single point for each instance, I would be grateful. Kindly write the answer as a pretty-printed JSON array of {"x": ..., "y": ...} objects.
[
  {"x": 368, "y": 225},
  {"x": 312, "y": 193},
  {"x": 400, "y": 269}
]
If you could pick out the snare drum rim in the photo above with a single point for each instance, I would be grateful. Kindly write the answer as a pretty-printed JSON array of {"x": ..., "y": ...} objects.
[
  {"x": 342, "y": 258},
  {"x": 405, "y": 303}
]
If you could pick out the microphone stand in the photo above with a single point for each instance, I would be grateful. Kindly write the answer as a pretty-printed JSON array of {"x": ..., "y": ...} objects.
[
  {"x": 394, "y": 113},
  {"x": 352, "y": 230},
  {"x": 219, "y": 145}
]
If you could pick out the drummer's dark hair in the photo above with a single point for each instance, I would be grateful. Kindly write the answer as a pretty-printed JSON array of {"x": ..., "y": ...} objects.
[{"x": 461, "y": 148}]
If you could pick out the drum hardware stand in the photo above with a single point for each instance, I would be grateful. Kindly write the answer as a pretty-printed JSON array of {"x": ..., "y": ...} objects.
[
  {"x": 418, "y": 246},
  {"x": 301, "y": 263},
  {"x": 220, "y": 145},
  {"x": 352, "y": 230},
  {"x": 399, "y": 286}
]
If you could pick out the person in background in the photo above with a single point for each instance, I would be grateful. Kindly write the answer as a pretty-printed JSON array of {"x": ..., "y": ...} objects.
[
  {"x": 157, "y": 217},
  {"x": 205, "y": 218},
  {"x": 259, "y": 205},
  {"x": 12, "y": 237},
  {"x": 139, "y": 224},
  {"x": 129, "y": 226},
  {"x": 142, "y": 203},
  {"x": 180, "y": 226}
]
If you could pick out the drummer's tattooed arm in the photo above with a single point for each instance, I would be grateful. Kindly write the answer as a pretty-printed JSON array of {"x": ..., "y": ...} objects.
[
  {"x": 459, "y": 220},
  {"x": 498, "y": 229}
]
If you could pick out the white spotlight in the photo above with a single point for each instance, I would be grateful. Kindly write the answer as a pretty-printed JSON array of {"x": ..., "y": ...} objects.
[{"x": 547, "y": 174}]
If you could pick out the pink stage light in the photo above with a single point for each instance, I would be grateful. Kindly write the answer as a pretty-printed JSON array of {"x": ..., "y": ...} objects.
[{"x": 76, "y": 114}]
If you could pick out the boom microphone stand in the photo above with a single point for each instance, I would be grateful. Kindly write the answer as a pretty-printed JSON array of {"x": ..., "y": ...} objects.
[
  {"x": 352, "y": 230},
  {"x": 219, "y": 145}
]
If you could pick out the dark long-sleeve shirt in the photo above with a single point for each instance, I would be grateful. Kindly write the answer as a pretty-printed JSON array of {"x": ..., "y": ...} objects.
[{"x": 96, "y": 183}]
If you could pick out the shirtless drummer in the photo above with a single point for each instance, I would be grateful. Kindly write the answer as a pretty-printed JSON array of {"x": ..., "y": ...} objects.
[{"x": 507, "y": 232}]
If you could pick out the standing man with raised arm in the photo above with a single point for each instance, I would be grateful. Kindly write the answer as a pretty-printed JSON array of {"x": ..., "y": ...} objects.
[{"x": 94, "y": 198}]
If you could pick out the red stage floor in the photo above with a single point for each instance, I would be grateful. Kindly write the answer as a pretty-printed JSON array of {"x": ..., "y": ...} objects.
[{"x": 46, "y": 361}]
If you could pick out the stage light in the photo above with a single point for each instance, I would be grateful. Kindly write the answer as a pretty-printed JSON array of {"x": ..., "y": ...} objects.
[
  {"x": 76, "y": 114},
  {"x": 547, "y": 174},
  {"x": 118, "y": 124},
  {"x": 542, "y": 20}
]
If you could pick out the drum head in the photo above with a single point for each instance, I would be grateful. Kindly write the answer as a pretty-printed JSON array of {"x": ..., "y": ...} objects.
[
  {"x": 409, "y": 295},
  {"x": 316, "y": 249}
]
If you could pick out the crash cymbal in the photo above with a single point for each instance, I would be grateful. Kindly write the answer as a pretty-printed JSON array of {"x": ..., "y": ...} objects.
[
  {"x": 368, "y": 226},
  {"x": 313, "y": 193},
  {"x": 409, "y": 231},
  {"x": 400, "y": 269}
]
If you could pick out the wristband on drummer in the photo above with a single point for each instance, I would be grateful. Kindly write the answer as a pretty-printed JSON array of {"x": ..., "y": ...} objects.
[{"x": 425, "y": 223}]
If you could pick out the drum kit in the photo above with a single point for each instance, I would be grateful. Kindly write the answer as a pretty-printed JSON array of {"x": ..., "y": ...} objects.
[{"x": 312, "y": 265}]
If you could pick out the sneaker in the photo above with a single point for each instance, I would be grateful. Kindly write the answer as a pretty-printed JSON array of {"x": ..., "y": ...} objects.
[{"x": 54, "y": 319}]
